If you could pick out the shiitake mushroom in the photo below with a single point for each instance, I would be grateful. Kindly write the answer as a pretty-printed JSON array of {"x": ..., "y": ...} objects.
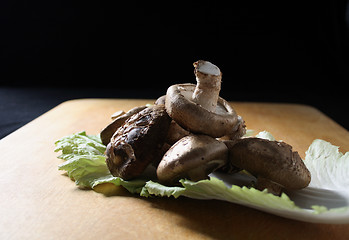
[{"x": 137, "y": 142}]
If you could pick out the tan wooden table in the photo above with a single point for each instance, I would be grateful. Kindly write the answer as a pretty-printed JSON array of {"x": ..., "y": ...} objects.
[{"x": 40, "y": 202}]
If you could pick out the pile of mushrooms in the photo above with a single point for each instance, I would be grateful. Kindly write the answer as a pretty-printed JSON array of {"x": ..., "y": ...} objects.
[{"x": 191, "y": 132}]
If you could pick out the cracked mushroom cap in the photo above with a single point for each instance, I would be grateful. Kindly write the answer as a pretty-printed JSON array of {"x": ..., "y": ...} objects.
[
  {"x": 271, "y": 160},
  {"x": 117, "y": 122},
  {"x": 193, "y": 117},
  {"x": 193, "y": 157},
  {"x": 138, "y": 142}
]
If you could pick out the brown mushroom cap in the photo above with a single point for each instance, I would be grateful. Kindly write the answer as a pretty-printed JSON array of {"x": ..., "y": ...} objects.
[
  {"x": 193, "y": 157},
  {"x": 195, "y": 118},
  {"x": 271, "y": 160},
  {"x": 117, "y": 122},
  {"x": 175, "y": 133},
  {"x": 160, "y": 100},
  {"x": 237, "y": 132},
  {"x": 138, "y": 142}
]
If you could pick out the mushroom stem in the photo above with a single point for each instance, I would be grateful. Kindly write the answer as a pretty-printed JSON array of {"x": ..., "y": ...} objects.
[{"x": 208, "y": 77}]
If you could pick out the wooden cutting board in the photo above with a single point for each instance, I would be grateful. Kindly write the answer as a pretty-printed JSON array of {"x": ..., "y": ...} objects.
[{"x": 39, "y": 202}]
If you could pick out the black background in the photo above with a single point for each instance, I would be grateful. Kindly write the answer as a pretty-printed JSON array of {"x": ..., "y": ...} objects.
[{"x": 52, "y": 51}]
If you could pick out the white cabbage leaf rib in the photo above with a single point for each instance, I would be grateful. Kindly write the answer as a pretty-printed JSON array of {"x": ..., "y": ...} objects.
[{"x": 329, "y": 168}]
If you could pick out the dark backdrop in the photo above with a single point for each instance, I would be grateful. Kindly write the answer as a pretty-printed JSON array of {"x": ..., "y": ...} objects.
[{"x": 290, "y": 51}]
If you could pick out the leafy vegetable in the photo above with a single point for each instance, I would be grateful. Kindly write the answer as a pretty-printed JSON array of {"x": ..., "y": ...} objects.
[
  {"x": 329, "y": 168},
  {"x": 215, "y": 188},
  {"x": 84, "y": 162}
]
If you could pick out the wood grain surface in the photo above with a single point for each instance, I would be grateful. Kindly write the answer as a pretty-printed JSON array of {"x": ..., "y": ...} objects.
[{"x": 40, "y": 202}]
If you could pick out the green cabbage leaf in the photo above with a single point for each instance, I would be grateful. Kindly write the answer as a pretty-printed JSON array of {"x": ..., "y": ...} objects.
[{"x": 325, "y": 200}]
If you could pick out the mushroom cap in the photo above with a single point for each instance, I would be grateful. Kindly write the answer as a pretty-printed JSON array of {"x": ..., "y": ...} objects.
[
  {"x": 192, "y": 157},
  {"x": 138, "y": 142},
  {"x": 117, "y": 122},
  {"x": 271, "y": 160},
  {"x": 160, "y": 100},
  {"x": 109, "y": 130},
  {"x": 196, "y": 119},
  {"x": 237, "y": 132},
  {"x": 175, "y": 133}
]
